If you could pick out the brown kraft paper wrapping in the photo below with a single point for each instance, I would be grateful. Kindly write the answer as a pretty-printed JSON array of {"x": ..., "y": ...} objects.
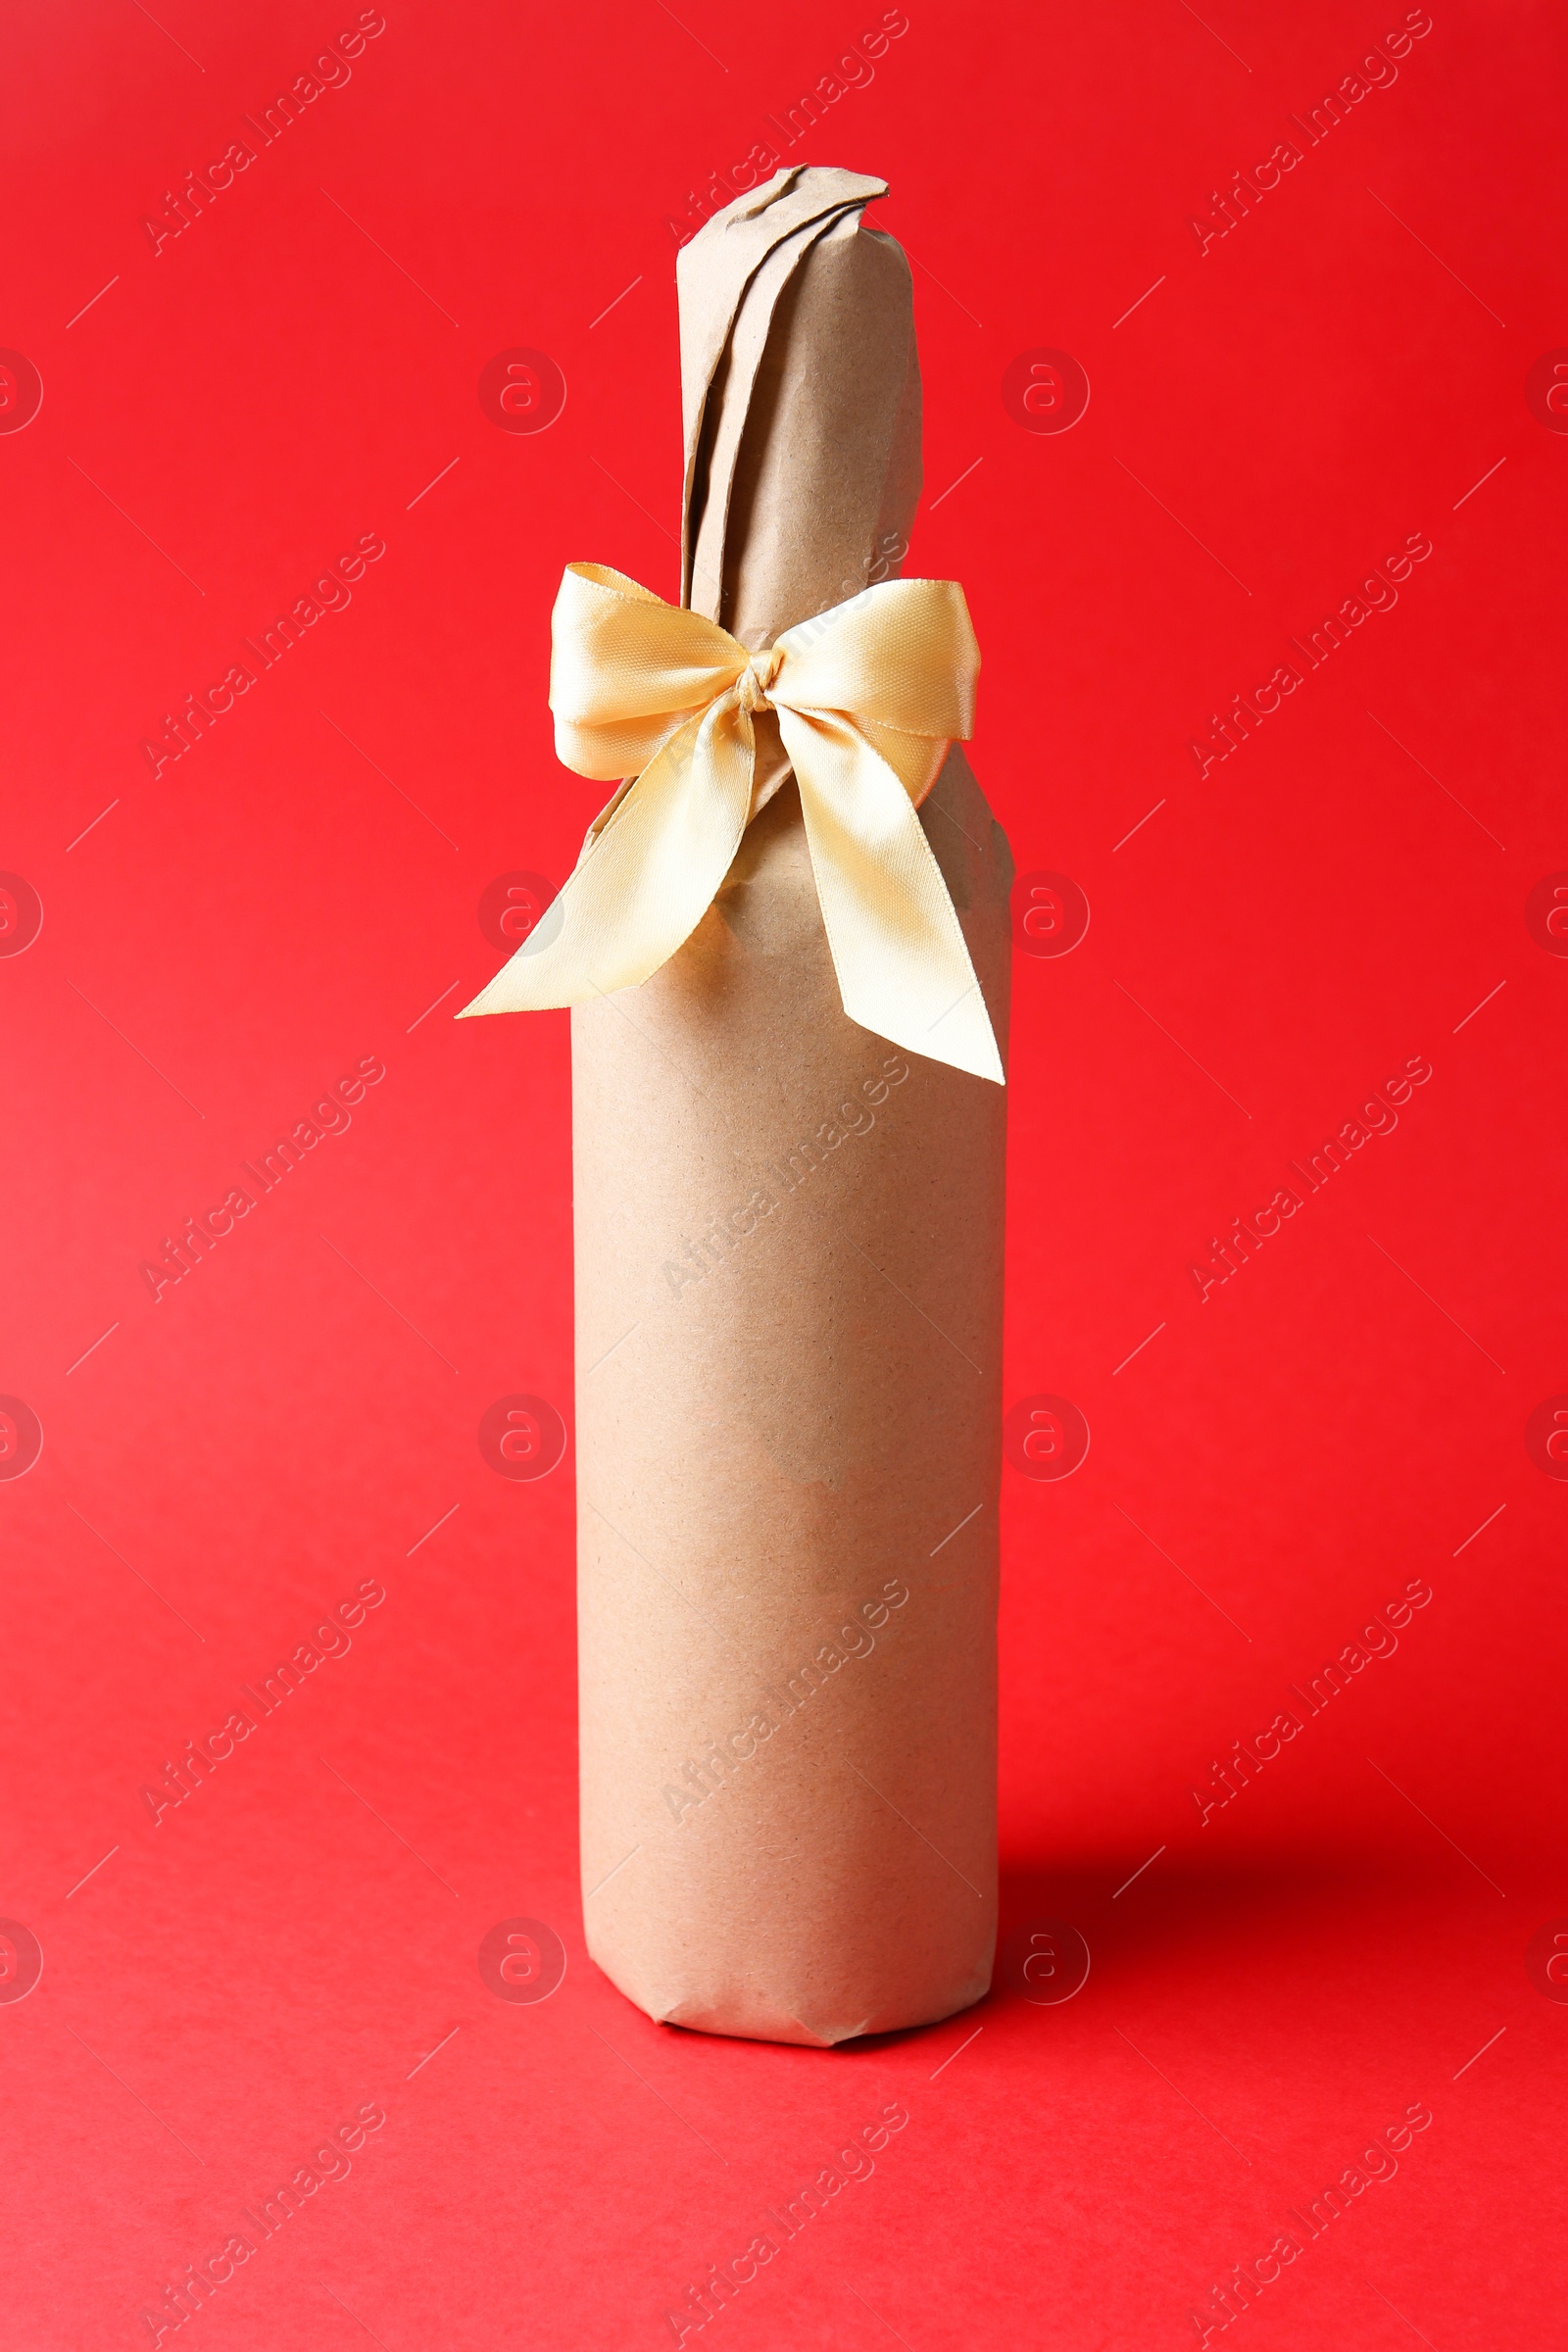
[{"x": 789, "y": 1259}]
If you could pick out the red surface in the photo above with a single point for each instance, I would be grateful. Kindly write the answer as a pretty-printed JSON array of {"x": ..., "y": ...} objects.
[{"x": 1349, "y": 890}]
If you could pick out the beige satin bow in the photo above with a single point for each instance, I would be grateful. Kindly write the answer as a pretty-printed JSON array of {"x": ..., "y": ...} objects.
[{"x": 868, "y": 698}]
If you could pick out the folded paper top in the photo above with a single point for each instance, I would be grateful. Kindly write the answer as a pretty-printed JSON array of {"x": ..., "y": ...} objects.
[{"x": 730, "y": 278}]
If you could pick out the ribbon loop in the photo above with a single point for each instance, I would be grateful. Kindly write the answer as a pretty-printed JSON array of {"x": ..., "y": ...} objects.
[{"x": 868, "y": 696}]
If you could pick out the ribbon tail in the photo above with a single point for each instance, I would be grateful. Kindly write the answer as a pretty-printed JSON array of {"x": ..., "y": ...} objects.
[
  {"x": 898, "y": 948},
  {"x": 649, "y": 871}
]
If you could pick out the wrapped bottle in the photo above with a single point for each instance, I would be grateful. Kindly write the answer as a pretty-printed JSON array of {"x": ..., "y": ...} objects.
[{"x": 788, "y": 1259}]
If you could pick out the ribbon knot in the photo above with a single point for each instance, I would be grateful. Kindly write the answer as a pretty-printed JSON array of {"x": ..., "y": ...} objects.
[
  {"x": 868, "y": 698},
  {"x": 757, "y": 676}
]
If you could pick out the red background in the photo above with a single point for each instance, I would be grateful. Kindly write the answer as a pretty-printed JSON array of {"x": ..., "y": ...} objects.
[{"x": 223, "y": 416}]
